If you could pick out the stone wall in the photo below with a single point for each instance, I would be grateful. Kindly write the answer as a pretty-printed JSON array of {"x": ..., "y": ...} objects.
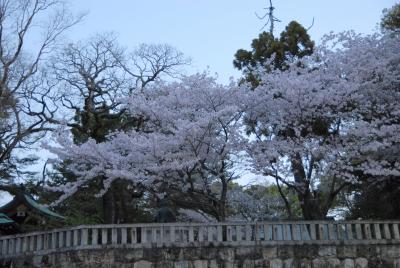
[{"x": 213, "y": 256}]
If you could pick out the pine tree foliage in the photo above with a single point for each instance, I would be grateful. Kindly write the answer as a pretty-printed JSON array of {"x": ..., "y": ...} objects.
[
  {"x": 293, "y": 44},
  {"x": 391, "y": 18}
]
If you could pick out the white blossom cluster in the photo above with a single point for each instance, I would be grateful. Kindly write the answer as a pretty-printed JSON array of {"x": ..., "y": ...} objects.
[
  {"x": 337, "y": 111},
  {"x": 188, "y": 139}
]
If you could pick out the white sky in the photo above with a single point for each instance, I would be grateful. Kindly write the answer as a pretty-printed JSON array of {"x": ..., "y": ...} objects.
[{"x": 211, "y": 31}]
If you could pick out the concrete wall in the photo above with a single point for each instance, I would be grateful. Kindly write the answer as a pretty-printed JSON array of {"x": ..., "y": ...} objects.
[{"x": 211, "y": 256}]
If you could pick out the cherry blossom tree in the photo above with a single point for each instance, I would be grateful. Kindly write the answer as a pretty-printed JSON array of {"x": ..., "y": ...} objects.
[
  {"x": 92, "y": 77},
  {"x": 320, "y": 126},
  {"x": 315, "y": 127},
  {"x": 185, "y": 151}
]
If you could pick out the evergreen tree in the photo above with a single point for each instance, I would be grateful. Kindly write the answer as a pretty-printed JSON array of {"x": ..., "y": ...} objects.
[
  {"x": 293, "y": 44},
  {"x": 375, "y": 200},
  {"x": 391, "y": 18}
]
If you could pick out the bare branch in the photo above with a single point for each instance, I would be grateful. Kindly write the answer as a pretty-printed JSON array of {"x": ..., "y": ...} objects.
[
  {"x": 312, "y": 24},
  {"x": 25, "y": 105},
  {"x": 271, "y": 18}
]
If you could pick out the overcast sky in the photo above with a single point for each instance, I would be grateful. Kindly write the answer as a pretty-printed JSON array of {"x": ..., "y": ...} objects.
[{"x": 210, "y": 31}]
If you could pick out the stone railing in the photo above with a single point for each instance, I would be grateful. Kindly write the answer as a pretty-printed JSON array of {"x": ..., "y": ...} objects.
[{"x": 194, "y": 234}]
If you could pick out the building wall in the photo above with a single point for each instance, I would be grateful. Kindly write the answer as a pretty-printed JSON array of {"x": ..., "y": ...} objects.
[{"x": 212, "y": 256}]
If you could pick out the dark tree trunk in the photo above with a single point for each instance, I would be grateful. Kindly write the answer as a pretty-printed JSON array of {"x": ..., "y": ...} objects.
[
  {"x": 116, "y": 204},
  {"x": 311, "y": 205},
  {"x": 221, "y": 205},
  {"x": 109, "y": 207},
  {"x": 285, "y": 200}
]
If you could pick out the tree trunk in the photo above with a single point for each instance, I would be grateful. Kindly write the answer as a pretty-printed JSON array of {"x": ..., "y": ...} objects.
[
  {"x": 115, "y": 204},
  {"x": 109, "y": 207},
  {"x": 311, "y": 206},
  {"x": 285, "y": 200},
  {"x": 221, "y": 205}
]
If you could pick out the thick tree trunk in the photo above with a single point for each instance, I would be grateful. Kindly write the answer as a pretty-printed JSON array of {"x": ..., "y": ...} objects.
[
  {"x": 109, "y": 207},
  {"x": 311, "y": 206},
  {"x": 115, "y": 204}
]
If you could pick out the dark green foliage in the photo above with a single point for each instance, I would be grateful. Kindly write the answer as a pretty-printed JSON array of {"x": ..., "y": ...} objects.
[
  {"x": 376, "y": 200},
  {"x": 7, "y": 166},
  {"x": 376, "y": 197},
  {"x": 293, "y": 44},
  {"x": 121, "y": 203},
  {"x": 270, "y": 197},
  {"x": 94, "y": 124},
  {"x": 165, "y": 212},
  {"x": 391, "y": 18},
  {"x": 81, "y": 208},
  {"x": 296, "y": 41},
  {"x": 85, "y": 207}
]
